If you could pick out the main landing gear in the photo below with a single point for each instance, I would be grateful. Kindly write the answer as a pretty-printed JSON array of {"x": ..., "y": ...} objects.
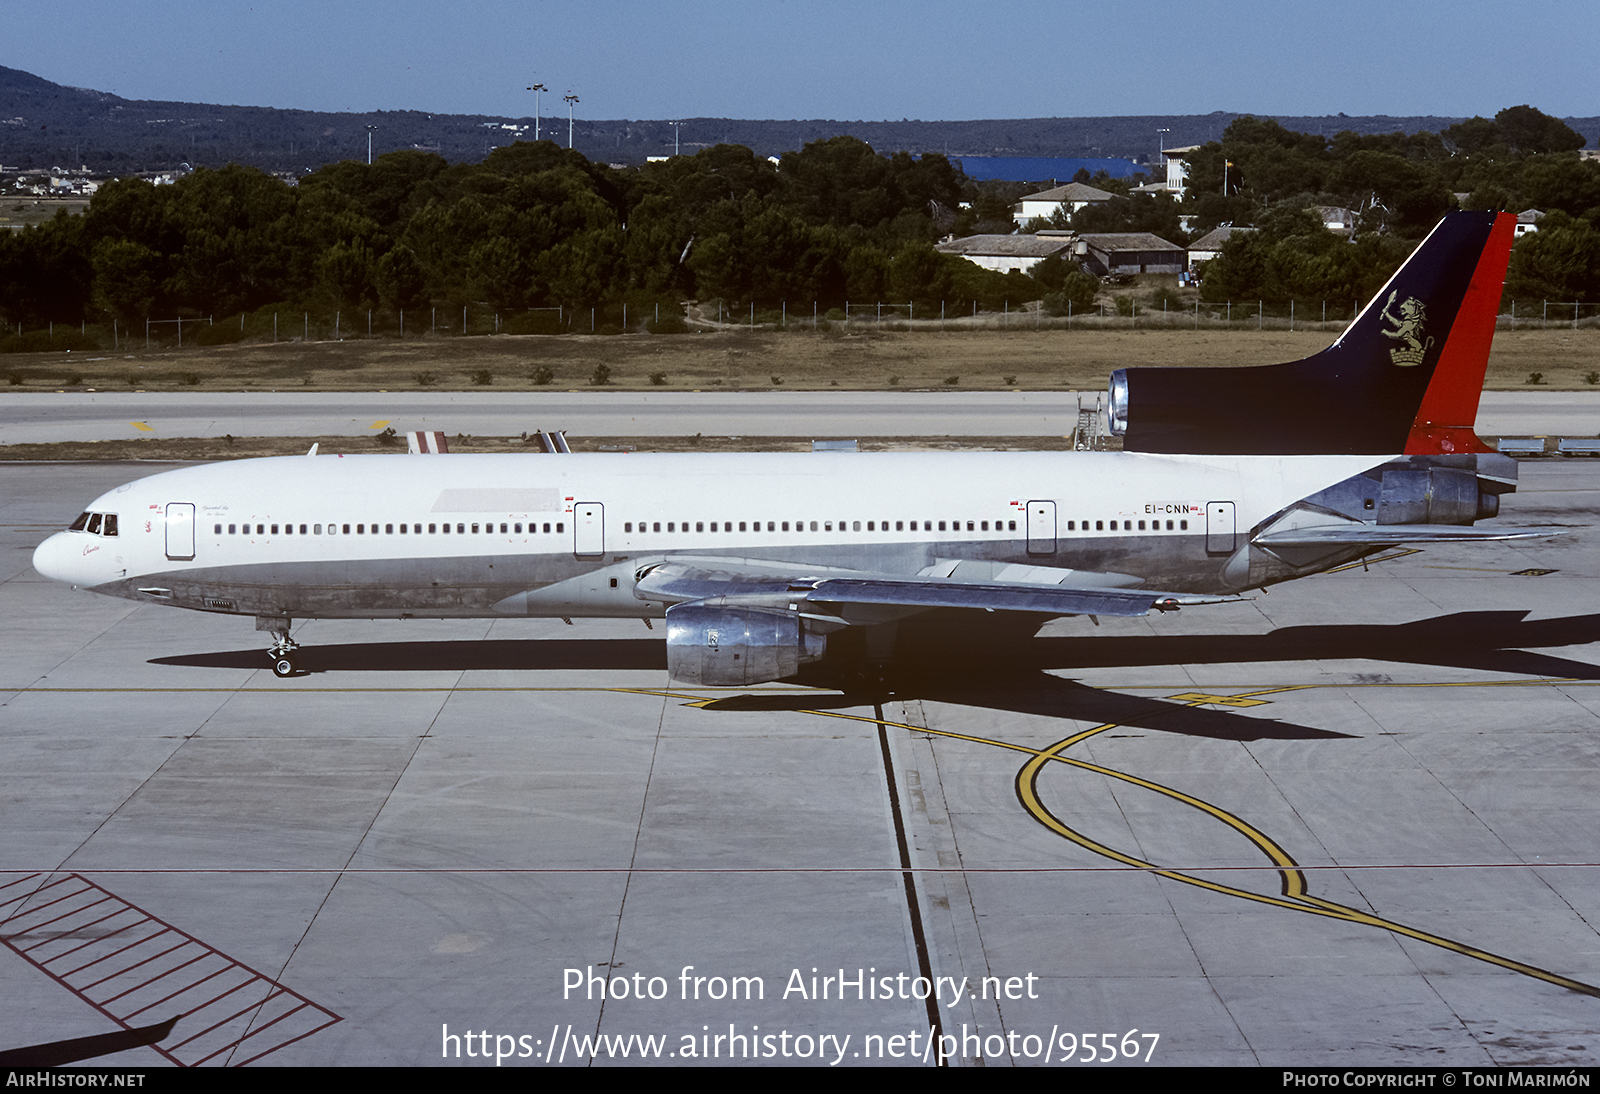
[{"x": 284, "y": 651}]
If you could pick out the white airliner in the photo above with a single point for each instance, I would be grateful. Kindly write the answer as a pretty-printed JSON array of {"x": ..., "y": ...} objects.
[{"x": 1231, "y": 479}]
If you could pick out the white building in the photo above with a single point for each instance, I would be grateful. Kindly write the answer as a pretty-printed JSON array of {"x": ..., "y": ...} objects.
[
  {"x": 1047, "y": 203},
  {"x": 1007, "y": 253}
]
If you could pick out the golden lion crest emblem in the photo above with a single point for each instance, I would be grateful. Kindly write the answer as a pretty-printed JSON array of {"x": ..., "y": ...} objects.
[{"x": 1408, "y": 331}]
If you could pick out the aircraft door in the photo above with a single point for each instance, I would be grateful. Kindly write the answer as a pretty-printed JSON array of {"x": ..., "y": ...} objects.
[
  {"x": 1041, "y": 527},
  {"x": 1220, "y": 527},
  {"x": 180, "y": 531},
  {"x": 588, "y": 528}
]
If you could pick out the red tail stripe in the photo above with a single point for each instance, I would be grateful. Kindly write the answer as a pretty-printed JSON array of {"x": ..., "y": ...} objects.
[{"x": 1450, "y": 405}]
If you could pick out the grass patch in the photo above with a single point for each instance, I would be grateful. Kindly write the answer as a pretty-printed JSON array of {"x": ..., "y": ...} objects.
[{"x": 861, "y": 360}]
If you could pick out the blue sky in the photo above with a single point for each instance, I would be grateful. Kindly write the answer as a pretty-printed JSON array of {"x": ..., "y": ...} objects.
[{"x": 933, "y": 59}]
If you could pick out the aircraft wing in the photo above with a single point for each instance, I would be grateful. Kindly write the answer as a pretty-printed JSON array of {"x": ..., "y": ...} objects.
[
  {"x": 1384, "y": 535},
  {"x": 861, "y": 597}
]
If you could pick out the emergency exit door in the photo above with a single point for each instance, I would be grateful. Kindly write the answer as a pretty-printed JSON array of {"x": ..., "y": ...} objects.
[
  {"x": 180, "y": 531},
  {"x": 1220, "y": 527},
  {"x": 1041, "y": 527},
  {"x": 588, "y": 528}
]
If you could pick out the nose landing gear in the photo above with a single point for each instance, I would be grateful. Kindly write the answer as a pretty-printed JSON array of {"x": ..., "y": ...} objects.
[{"x": 284, "y": 651}]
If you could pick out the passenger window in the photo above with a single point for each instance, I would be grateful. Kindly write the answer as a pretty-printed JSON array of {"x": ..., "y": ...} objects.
[
  {"x": 827, "y": 526},
  {"x": 699, "y": 526},
  {"x": 1011, "y": 526},
  {"x": 218, "y": 529},
  {"x": 559, "y": 527},
  {"x": 927, "y": 526},
  {"x": 771, "y": 528},
  {"x": 985, "y": 526},
  {"x": 233, "y": 529},
  {"x": 856, "y": 526},
  {"x": 785, "y": 526},
  {"x": 1141, "y": 526},
  {"x": 347, "y": 529},
  {"x": 316, "y": 529},
  {"x": 813, "y": 526},
  {"x": 969, "y": 526},
  {"x": 741, "y": 526},
  {"x": 657, "y": 527},
  {"x": 461, "y": 529},
  {"x": 941, "y": 526},
  {"x": 1099, "y": 526},
  {"x": 1183, "y": 526}
]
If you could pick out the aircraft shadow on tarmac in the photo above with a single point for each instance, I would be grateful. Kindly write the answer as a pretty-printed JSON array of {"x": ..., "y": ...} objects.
[{"x": 1003, "y": 673}]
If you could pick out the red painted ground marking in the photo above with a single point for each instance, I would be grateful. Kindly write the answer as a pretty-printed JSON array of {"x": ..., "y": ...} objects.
[{"x": 131, "y": 966}]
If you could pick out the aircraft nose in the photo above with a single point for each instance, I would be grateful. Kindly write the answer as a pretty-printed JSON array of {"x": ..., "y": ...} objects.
[{"x": 61, "y": 558}]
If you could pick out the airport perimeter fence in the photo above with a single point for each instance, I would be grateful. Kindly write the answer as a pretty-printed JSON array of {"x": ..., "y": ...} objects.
[{"x": 271, "y": 325}]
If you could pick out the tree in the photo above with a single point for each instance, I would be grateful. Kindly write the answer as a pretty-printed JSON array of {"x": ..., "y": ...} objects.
[
  {"x": 1561, "y": 261},
  {"x": 127, "y": 278},
  {"x": 1530, "y": 131}
]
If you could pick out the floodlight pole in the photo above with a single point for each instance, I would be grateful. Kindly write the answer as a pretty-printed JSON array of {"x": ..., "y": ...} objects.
[
  {"x": 536, "y": 88},
  {"x": 370, "y": 128},
  {"x": 676, "y": 127},
  {"x": 1161, "y": 141},
  {"x": 571, "y": 98}
]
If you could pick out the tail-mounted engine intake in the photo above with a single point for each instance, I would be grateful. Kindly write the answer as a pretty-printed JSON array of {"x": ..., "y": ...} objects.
[{"x": 734, "y": 646}]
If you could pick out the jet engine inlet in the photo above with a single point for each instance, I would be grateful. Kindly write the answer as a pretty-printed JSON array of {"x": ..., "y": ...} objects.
[{"x": 1117, "y": 404}]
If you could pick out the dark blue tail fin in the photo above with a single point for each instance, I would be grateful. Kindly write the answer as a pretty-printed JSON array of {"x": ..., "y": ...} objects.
[{"x": 1404, "y": 377}]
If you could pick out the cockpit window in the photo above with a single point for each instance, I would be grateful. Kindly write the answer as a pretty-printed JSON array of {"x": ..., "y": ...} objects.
[{"x": 96, "y": 524}]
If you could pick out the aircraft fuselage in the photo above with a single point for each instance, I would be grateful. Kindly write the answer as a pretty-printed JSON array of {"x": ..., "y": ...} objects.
[{"x": 486, "y": 535}]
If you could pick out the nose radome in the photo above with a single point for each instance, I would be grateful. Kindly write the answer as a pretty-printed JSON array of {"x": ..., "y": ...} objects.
[{"x": 60, "y": 557}]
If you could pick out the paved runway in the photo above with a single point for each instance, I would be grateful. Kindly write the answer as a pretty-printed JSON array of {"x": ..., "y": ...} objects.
[
  {"x": 42, "y": 417},
  {"x": 1350, "y": 822}
]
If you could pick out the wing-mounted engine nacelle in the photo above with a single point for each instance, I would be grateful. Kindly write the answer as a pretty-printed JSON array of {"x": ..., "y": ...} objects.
[{"x": 728, "y": 646}]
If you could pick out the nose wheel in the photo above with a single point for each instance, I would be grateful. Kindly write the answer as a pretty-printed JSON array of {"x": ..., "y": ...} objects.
[{"x": 285, "y": 655}]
